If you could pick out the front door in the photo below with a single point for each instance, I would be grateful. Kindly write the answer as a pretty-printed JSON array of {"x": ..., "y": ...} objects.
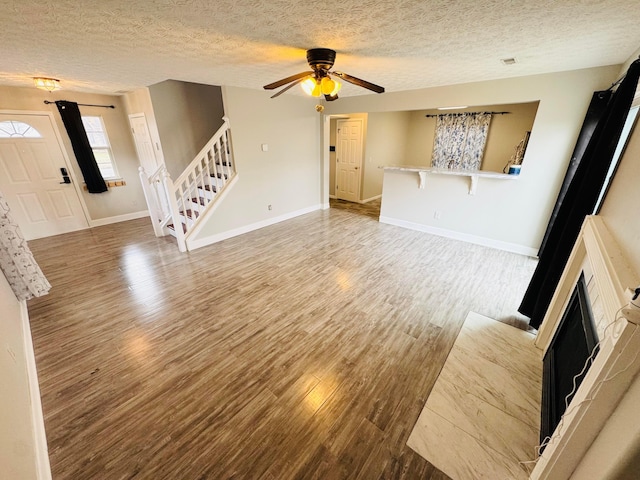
[
  {"x": 31, "y": 177},
  {"x": 348, "y": 159}
]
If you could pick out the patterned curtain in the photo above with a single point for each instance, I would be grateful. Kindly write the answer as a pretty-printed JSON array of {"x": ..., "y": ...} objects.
[
  {"x": 460, "y": 140},
  {"x": 16, "y": 260}
]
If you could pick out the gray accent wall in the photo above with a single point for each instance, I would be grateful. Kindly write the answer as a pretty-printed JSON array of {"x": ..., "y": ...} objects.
[{"x": 187, "y": 115}]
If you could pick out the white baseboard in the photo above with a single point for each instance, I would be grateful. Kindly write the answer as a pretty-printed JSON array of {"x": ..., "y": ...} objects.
[
  {"x": 43, "y": 467},
  {"x": 371, "y": 199},
  {"x": 326, "y": 206},
  {"x": 465, "y": 237},
  {"x": 218, "y": 237},
  {"x": 118, "y": 218}
]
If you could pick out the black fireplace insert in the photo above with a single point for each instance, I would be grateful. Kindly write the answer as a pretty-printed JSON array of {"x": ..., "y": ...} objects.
[{"x": 571, "y": 347}]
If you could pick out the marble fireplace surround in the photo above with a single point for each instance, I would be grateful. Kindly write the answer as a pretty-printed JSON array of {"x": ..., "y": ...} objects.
[{"x": 616, "y": 364}]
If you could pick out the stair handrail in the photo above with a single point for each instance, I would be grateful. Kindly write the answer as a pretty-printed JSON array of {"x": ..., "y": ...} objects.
[
  {"x": 214, "y": 161},
  {"x": 216, "y": 136}
]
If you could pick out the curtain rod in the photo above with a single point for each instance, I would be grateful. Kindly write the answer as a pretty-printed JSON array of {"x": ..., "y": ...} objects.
[
  {"x": 619, "y": 81},
  {"x": 465, "y": 113},
  {"x": 83, "y": 104}
]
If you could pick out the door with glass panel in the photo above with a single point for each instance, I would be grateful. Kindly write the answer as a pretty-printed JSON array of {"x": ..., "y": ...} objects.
[{"x": 35, "y": 178}]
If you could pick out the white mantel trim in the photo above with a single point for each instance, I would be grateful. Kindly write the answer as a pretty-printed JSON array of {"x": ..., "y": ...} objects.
[
  {"x": 610, "y": 270},
  {"x": 617, "y": 362}
]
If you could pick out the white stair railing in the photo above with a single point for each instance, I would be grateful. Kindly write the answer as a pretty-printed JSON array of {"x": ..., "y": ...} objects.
[
  {"x": 177, "y": 206},
  {"x": 156, "y": 196}
]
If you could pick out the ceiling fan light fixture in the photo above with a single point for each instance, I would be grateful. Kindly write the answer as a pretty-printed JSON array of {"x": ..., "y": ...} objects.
[
  {"x": 336, "y": 88},
  {"x": 311, "y": 87},
  {"x": 321, "y": 80},
  {"x": 48, "y": 84},
  {"x": 308, "y": 85},
  {"x": 327, "y": 85}
]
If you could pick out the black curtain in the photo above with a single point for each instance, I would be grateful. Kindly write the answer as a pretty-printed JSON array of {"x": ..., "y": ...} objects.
[
  {"x": 72, "y": 120},
  {"x": 596, "y": 109},
  {"x": 580, "y": 199}
]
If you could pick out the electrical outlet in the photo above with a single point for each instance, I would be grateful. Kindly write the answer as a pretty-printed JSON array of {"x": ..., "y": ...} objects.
[{"x": 437, "y": 214}]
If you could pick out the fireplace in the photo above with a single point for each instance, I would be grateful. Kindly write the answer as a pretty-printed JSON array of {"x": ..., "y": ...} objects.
[
  {"x": 616, "y": 364},
  {"x": 569, "y": 351}
]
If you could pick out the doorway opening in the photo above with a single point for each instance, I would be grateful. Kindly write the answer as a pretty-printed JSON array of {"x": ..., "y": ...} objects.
[{"x": 348, "y": 187}]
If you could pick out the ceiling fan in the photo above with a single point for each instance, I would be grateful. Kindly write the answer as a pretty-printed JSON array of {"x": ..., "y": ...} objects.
[{"x": 318, "y": 81}]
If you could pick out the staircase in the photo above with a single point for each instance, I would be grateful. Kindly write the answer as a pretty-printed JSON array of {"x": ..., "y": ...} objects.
[{"x": 180, "y": 207}]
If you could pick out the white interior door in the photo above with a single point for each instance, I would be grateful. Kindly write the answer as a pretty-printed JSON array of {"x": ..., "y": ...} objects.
[
  {"x": 144, "y": 144},
  {"x": 31, "y": 160},
  {"x": 348, "y": 159}
]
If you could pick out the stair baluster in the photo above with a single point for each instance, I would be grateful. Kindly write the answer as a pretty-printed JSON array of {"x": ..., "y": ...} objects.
[{"x": 186, "y": 201}]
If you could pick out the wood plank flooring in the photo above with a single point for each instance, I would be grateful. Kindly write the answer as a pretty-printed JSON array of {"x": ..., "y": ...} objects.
[
  {"x": 371, "y": 209},
  {"x": 309, "y": 354}
]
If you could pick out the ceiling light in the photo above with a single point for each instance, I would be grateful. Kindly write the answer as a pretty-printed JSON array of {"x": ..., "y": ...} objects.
[
  {"x": 508, "y": 61},
  {"x": 453, "y": 108},
  {"x": 326, "y": 86},
  {"x": 48, "y": 84},
  {"x": 311, "y": 87}
]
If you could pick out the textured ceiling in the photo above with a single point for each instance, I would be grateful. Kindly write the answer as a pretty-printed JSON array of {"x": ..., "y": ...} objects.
[{"x": 115, "y": 46}]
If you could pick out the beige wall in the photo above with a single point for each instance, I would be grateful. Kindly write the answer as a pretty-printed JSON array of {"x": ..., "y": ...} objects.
[
  {"x": 187, "y": 115},
  {"x": 118, "y": 200},
  {"x": 615, "y": 453},
  {"x": 19, "y": 457},
  {"x": 420, "y": 137},
  {"x": 505, "y": 133},
  {"x": 386, "y": 144},
  {"x": 287, "y": 176},
  {"x": 510, "y": 213}
]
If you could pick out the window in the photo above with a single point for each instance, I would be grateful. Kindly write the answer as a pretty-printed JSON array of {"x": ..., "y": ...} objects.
[
  {"x": 14, "y": 128},
  {"x": 459, "y": 140},
  {"x": 99, "y": 142},
  {"x": 617, "y": 156}
]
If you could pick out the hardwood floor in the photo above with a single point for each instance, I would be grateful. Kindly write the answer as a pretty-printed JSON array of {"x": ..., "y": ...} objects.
[
  {"x": 371, "y": 209},
  {"x": 309, "y": 354}
]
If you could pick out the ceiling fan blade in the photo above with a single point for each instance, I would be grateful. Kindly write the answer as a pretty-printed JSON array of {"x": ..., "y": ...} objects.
[
  {"x": 331, "y": 98},
  {"x": 291, "y": 85},
  {"x": 284, "y": 81},
  {"x": 358, "y": 81}
]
